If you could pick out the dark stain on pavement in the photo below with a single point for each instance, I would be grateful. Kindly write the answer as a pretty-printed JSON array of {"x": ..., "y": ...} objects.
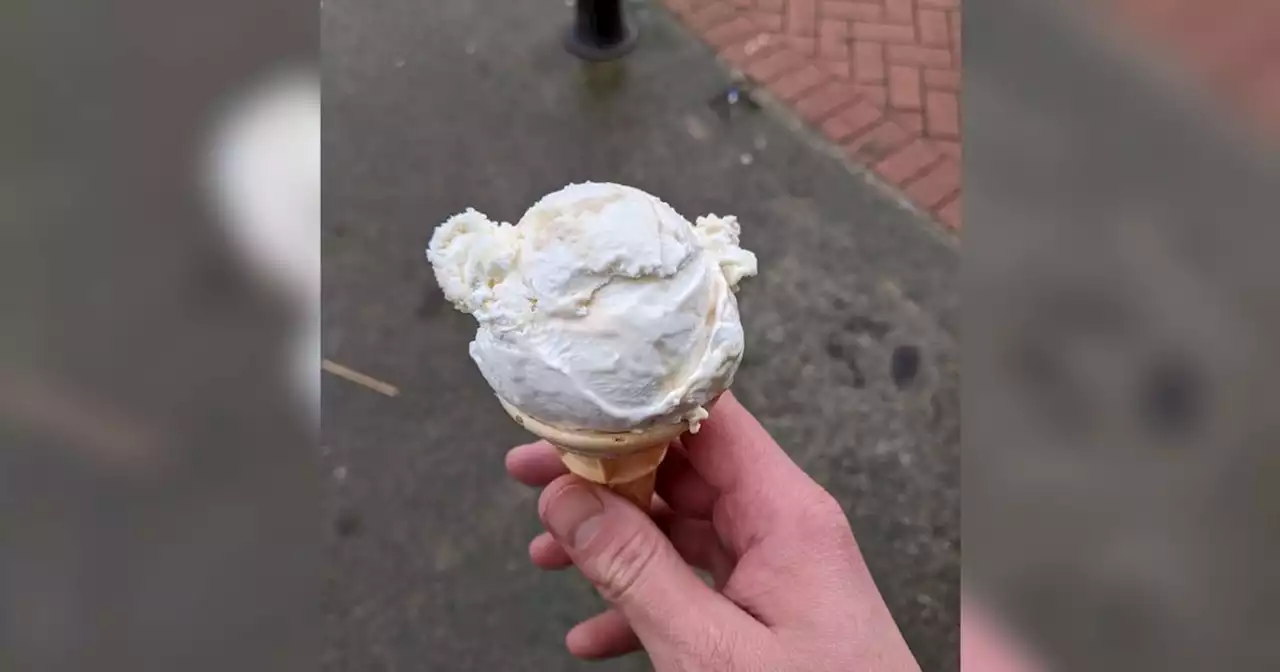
[
  {"x": 1170, "y": 396},
  {"x": 904, "y": 365},
  {"x": 348, "y": 523}
]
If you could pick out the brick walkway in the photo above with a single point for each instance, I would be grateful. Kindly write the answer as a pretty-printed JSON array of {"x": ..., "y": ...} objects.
[
  {"x": 879, "y": 77},
  {"x": 1231, "y": 47}
]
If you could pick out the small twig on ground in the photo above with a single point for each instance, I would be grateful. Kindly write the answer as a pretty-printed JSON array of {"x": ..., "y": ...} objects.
[{"x": 360, "y": 379}]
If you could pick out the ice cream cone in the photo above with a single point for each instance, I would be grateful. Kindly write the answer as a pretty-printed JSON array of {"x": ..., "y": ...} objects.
[{"x": 625, "y": 462}]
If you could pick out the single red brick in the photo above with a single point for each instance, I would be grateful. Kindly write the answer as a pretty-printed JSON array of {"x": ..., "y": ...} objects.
[
  {"x": 868, "y": 61},
  {"x": 898, "y": 11},
  {"x": 744, "y": 3},
  {"x": 833, "y": 29},
  {"x": 837, "y": 68},
  {"x": 876, "y": 93},
  {"x": 774, "y": 65},
  {"x": 951, "y": 214},
  {"x": 909, "y": 54},
  {"x": 943, "y": 110},
  {"x": 711, "y": 15},
  {"x": 941, "y": 4},
  {"x": 851, "y": 120},
  {"x": 945, "y": 80},
  {"x": 856, "y": 11},
  {"x": 777, "y": 6},
  {"x": 806, "y": 46},
  {"x": 822, "y": 101},
  {"x": 768, "y": 21},
  {"x": 833, "y": 39},
  {"x": 883, "y": 32},
  {"x": 936, "y": 184},
  {"x": 791, "y": 86},
  {"x": 739, "y": 30},
  {"x": 877, "y": 142},
  {"x": 907, "y": 162},
  {"x": 802, "y": 16},
  {"x": 904, "y": 87},
  {"x": 933, "y": 28},
  {"x": 912, "y": 121},
  {"x": 949, "y": 147}
]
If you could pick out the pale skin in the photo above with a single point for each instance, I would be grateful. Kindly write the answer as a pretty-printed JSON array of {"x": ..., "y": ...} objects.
[
  {"x": 791, "y": 591},
  {"x": 986, "y": 646}
]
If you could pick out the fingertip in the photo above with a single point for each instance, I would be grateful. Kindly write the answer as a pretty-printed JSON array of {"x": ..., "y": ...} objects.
[
  {"x": 514, "y": 455},
  {"x": 733, "y": 447},
  {"x": 534, "y": 464},
  {"x": 729, "y": 396},
  {"x": 551, "y": 490},
  {"x": 605, "y": 635},
  {"x": 727, "y": 412},
  {"x": 579, "y": 642},
  {"x": 547, "y": 553},
  {"x": 524, "y": 450}
]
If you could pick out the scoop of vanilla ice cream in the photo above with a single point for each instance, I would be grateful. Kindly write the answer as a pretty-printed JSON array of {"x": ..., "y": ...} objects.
[{"x": 602, "y": 309}]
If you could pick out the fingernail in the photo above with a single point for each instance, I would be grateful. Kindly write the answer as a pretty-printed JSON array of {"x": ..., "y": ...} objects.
[{"x": 574, "y": 515}]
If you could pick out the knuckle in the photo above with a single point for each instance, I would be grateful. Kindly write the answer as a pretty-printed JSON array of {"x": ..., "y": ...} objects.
[
  {"x": 822, "y": 521},
  {"x": 623, "y": 564},
  {"x": 822, "y": 513},
  {"x": 829, "y": 511}
]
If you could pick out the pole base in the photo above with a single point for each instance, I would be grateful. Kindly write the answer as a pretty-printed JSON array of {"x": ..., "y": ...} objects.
[{"x": 590, "y": 50}]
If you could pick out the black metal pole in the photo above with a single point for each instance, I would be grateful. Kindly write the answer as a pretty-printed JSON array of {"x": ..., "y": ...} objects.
[{"x": 600, "y": 31}]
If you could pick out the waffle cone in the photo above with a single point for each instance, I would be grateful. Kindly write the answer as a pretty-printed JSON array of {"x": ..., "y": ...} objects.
[{"x": 625, "y": 462}]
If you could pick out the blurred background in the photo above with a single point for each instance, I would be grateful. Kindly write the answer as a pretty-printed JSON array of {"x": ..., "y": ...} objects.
[
  {"x": 167, "y": 503},
  {"x": 160, "y": 492},
  {"x": 1119, "y": 329}
]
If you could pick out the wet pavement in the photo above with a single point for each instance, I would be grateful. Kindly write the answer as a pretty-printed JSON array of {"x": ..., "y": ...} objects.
[{"x": 433, "y": 107}]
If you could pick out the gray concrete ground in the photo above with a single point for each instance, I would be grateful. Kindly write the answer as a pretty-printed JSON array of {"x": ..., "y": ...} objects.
[{"x": 431, "y": 107}]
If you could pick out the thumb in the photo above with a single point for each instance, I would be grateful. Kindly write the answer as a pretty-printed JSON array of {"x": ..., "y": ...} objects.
[{"x": 635, "y": 567}]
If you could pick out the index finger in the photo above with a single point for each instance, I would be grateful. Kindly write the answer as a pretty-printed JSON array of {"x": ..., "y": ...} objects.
[{"x": 760, "y": 486}]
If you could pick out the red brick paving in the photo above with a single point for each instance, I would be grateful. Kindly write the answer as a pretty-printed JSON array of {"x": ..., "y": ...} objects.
[
  {"x": 881, "y": 78},
  {"x": 1230, "y": 46}
]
